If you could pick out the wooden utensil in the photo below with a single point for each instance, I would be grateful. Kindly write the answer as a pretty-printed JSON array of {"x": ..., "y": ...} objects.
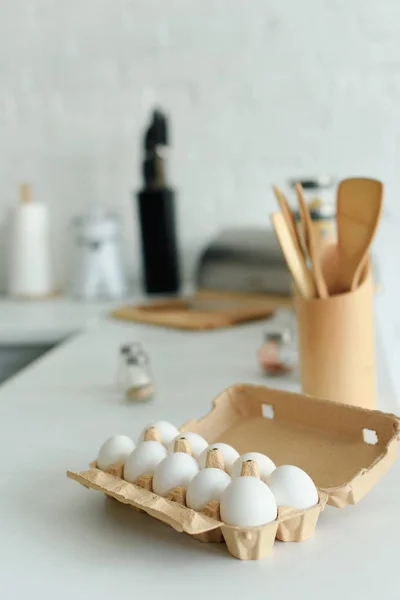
[
  {"x": 359, "y": 207},
  {"x": 293, "y": 256},
  {"x": 286, "y": 212},
  {"x": 312, "y": 245}
]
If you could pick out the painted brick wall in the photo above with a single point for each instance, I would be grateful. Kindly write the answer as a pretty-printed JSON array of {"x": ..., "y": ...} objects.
[{"x": 257, "y": 90}]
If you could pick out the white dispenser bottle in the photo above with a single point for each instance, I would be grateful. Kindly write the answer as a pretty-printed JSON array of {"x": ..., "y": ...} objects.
[{"x": 29, "y": 267}]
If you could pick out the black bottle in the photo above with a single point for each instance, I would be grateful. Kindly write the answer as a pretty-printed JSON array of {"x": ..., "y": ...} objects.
[{"x": 156, "y": 205}]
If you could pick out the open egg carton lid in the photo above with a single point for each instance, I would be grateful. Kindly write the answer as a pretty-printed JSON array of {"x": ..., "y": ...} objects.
[{"x": 344, "y": 449}]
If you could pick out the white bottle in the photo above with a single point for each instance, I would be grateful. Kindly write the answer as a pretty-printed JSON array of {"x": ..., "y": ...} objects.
[{"x": 29, "y": 267}]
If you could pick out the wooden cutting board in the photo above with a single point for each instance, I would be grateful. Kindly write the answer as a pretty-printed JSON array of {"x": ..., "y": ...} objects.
[{"x": 207, "y": 309}]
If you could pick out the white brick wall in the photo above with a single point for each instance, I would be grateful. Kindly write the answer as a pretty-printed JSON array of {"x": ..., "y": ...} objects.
[{"x": 257, "y": 90}]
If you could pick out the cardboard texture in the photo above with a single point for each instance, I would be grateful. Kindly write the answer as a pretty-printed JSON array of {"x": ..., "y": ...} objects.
[
  {"x": 337, "y": 346},
  {"x": 199, "y": 312},
  {"x": 326, "y": 439},
  {"x": 243, "y": 543}
]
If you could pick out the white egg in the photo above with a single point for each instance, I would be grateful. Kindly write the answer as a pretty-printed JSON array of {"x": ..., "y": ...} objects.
[
  {"x": 292, "y": 486},
  {"x": 229, "y": 455},
  {"x": 115, "y": 450},
  {"x": 248, "y": 502},
  {"x": 264, "y": 463},
  {"x": 207, "y": 485},
  {"x": 197, "y": 443},
  {"x": 166, "y": 430},
  {"x": 176, "y": 470},
  {"x": 144, "y": 460}
]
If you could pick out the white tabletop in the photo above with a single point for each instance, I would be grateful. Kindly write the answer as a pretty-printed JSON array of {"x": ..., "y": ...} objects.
[
  {"x": 46, "y": 321},
  {"x": 59, "y": 540}
]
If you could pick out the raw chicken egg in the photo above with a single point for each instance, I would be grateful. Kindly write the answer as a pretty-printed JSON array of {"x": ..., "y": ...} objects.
[
  {"x": 264, "y": 463},
  {"x": 196, "y": 442},
  {"x": 247, "y": 502},
  {"x": 292, "y": 486},
  {"x": 115, "y": 450},
  {"x": 229, "y": 454},
  {"x": 144, "y": 460},
  {"x": 176, "y": 470},
  {"x": 166, "y": 430},
  {"x": 207, "y": 485}
]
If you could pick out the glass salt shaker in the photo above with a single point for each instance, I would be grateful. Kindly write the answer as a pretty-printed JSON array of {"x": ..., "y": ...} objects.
[
  {"x": 139, "y": 381},
  {"x": 124, "y": 352},
  {"x": 278, "y": 355}
]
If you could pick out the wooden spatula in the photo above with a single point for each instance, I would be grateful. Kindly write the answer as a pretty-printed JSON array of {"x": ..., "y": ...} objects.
[
  {"x": 359, "y": 207},
  {"x": 294, "y": 257},
  {"x": 312, "y": 244}
]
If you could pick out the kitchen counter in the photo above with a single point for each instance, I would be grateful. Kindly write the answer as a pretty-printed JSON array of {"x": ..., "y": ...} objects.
[
  {"x": 60, "y": 540},
  {"x": 47, "y": 321}
]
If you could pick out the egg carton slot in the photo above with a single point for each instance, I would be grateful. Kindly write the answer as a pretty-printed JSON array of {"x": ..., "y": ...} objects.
[
  {"x": 345, "y": 450},
  {"x": 244, "y": 543}
]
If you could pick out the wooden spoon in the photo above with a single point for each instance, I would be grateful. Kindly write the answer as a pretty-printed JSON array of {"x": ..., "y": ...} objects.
[
  {"x": 359, "y": 207},
  {"x": 312, "y": 245},
  {"x": 294, "y": 257}
]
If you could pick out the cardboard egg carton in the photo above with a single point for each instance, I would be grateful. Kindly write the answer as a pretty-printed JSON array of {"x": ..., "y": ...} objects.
[{"x": 345, "y": 450}]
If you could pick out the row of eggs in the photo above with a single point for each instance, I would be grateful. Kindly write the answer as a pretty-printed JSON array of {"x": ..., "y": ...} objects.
[{"x": 244, "y": 501}]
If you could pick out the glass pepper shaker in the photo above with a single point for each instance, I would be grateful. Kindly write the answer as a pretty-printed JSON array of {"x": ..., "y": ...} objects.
[
  {"x": 278, "y": 355},
  {"x": 139, "y": 378}
]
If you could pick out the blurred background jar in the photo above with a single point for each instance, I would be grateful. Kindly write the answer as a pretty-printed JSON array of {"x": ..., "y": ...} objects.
[
  {"x": 278, "y": 354},
  {"x": 139, "y": 384},
  {"x": 135, "y": 376},
  {"x": 98, "y": 272},
  {"x": 125, "y": 351}
]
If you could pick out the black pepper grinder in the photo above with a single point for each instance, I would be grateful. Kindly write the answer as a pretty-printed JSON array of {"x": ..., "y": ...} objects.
[{"x": 156, "y": 202}]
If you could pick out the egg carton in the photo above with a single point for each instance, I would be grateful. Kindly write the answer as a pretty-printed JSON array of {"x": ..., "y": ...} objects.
[
  {"x": 245, "y": 543},
  {"x": 345, "y": 450}
]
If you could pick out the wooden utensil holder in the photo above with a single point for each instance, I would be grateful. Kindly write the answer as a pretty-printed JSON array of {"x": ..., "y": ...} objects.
[{"x": 337, "y": 346}]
